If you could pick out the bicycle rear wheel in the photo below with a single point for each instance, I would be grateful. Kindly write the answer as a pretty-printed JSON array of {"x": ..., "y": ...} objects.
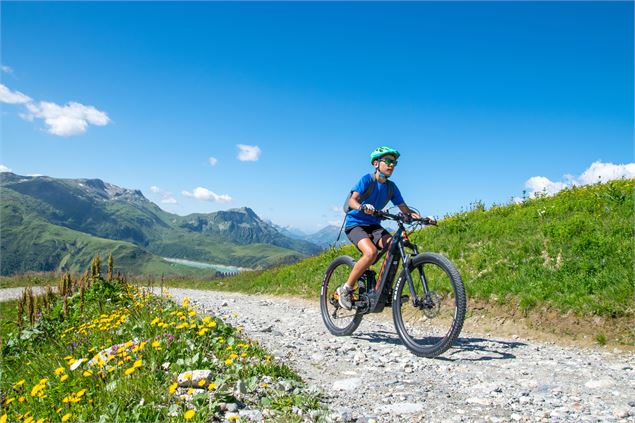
[
  {"x": 338, "y": 320},
  {"x": 429, "y": 323}
]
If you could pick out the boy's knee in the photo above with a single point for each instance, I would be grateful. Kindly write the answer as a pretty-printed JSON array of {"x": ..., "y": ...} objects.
[{"x": 370, "y": 255}]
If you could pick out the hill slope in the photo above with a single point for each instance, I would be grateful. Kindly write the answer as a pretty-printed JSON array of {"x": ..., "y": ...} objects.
[{"x": 573, "y": 252}]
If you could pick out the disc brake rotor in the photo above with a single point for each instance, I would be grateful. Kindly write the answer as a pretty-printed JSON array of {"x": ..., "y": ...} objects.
[{"x": 432, "y": 305}]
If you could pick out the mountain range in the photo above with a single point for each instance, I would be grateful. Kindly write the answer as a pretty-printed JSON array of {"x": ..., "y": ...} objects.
[{"x": 60, "y": 224}]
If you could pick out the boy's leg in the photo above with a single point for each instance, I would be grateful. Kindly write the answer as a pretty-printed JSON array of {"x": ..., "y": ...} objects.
[{"x": 369, "y": 254}]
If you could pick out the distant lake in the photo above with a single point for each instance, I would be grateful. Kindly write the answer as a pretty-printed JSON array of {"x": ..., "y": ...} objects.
[{"x": 201, "y": 265}]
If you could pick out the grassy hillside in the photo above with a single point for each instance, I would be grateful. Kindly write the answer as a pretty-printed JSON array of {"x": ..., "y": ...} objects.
[{"x": 572, "y": 252}]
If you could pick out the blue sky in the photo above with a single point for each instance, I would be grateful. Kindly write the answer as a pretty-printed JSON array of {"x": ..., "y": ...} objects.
[{"x": 479, "y": 97}]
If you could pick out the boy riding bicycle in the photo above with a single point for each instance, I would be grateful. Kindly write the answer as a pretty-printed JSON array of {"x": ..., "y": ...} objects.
[{"x": 361, "y": 226}]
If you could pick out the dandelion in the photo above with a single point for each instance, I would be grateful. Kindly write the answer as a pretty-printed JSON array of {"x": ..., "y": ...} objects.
[
  {"x": 21, "y": 399},
  {"x": 264, "y": 385},
  {"x": 189, "y": 414},
  {"x": 66, "y": 417},
  {"x": 229, "y": 361},
  {"x": 130, "y": 371},
  {"x": 29, "y": 419},
  {"x": 233, "y": 418},
  {"x": 243, "y": 355},
  {"x": 59, "y": 371},
  {"x": 156, "y": 344},
  {"x": 201, "y": 382},
  {"x": 3, "y": 419},
  {"x": 9, "y": 401},
  {"x": 187, "y": 376},
  {"x": 155, "y": 321},
  {"x": 202, "y": 332},
  {"x": 233, "y": 356},
  {"x": 191, "y": 313},
  {"x": 81, "y": 393},
  {"x": 190, "y": 391},
  {"x": 211, "y": 386},
  {"x": 137, "y": 363},
  {"x": 88, "y": 373},
  {"x": 19, "y": 383},
  {"x": 173, "y": 387}
]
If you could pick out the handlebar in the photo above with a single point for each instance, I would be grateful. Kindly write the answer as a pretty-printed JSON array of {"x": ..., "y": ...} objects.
[{"x": 403, "y": 218}]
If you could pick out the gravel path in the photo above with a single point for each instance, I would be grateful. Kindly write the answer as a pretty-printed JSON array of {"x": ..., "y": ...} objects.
[
  {"x": 370, "y": 375},
  {"x": 7, "y": 294}
]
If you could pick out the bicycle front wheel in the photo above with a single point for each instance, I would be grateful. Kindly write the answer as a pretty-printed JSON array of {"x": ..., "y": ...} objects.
[
  {"x": 429, "y": 322},
  {"x": 338, "y": 320}
]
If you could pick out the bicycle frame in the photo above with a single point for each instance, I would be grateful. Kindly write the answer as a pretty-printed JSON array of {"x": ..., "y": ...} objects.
[{"x": 395, "y": 250}]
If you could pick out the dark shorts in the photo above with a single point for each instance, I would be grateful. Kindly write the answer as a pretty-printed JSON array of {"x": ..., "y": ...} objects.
[{"x": 374, "y": 232}]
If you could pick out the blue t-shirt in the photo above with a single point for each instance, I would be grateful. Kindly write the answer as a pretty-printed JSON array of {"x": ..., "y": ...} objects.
[{"x": 377, "y": 198}]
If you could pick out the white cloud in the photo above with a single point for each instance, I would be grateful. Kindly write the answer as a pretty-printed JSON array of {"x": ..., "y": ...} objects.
[
  {"x": 12, "y": 97},
  {"x": 602, "y": 172},
  {"x": 6, "y": 69},
  {"x": 71, "y": 119},
  {"x": 4, "y": 168},
  {"x": 540, "y": 184},
  {"x": 213, "y": 161},
  {"x": 597, "y": 172},
  {"x": 166, "y": 197},
  {"x": 201, "y": 193},
  {"x": 248, "y": 153}
]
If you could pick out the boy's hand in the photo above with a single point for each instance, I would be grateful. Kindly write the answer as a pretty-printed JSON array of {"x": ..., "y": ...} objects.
[{"x": 368, "y": 208}]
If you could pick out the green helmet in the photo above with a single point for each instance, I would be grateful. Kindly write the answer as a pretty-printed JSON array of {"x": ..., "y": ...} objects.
[{"x": 382, "y": 151}]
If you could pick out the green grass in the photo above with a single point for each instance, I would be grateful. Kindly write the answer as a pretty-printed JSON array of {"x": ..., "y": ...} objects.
[
  {"x": 573, "y": 252},
  {"x": 38, "y": 378}
]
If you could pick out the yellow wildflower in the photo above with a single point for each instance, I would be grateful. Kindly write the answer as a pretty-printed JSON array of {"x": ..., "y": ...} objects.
[
  {"x": 81, "y": 393},
  {"x": 19, "y": 383},
  {"x": 202, "y": 332},
  {"x": 156, "y": 344},
  {"x": 155, "y": 321},
  {"x": 66, "y": 417},
  {"x": 88, "y": 373},
  {"x": 264, "y": 385},
  {"x": 186, "y": 301},
  {"x": 206, "y": 319},
  {"x": 3, "y": 419},
  {"x": 137, "y": 363},
  {"x": 21, "y": 399},
  {"x": 212, "y": 325},
  {"x": 59, "y": 371},
  {"x": 173, "y": 387},
  {"x": 201, "y": 382},
  {"x": 189, "y": 414},
  {"x": 130, "y": 371},
  {"x": 243, "y": 355},
  {"x": 233, "y": 356},
  {"x": 211, "y": 386},
  {"x": 187, "y": 376},
  {"x": 233, "y": 418},
  {"x": 229, "y": 361},
  {"x": 9, "y": 401},
  {"x": 190, "y": 391},
  {"x": 40, "y": 420},
  {"x": 191, "y": 313},
  {"x": 29, "y": 419}
]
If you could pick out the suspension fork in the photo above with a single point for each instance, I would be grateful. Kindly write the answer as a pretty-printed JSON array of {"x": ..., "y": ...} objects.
[{"x": 406, "y": 259}]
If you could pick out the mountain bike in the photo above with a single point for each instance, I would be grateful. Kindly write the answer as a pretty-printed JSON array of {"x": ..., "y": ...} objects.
[{"x": 428, "y": 299}]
